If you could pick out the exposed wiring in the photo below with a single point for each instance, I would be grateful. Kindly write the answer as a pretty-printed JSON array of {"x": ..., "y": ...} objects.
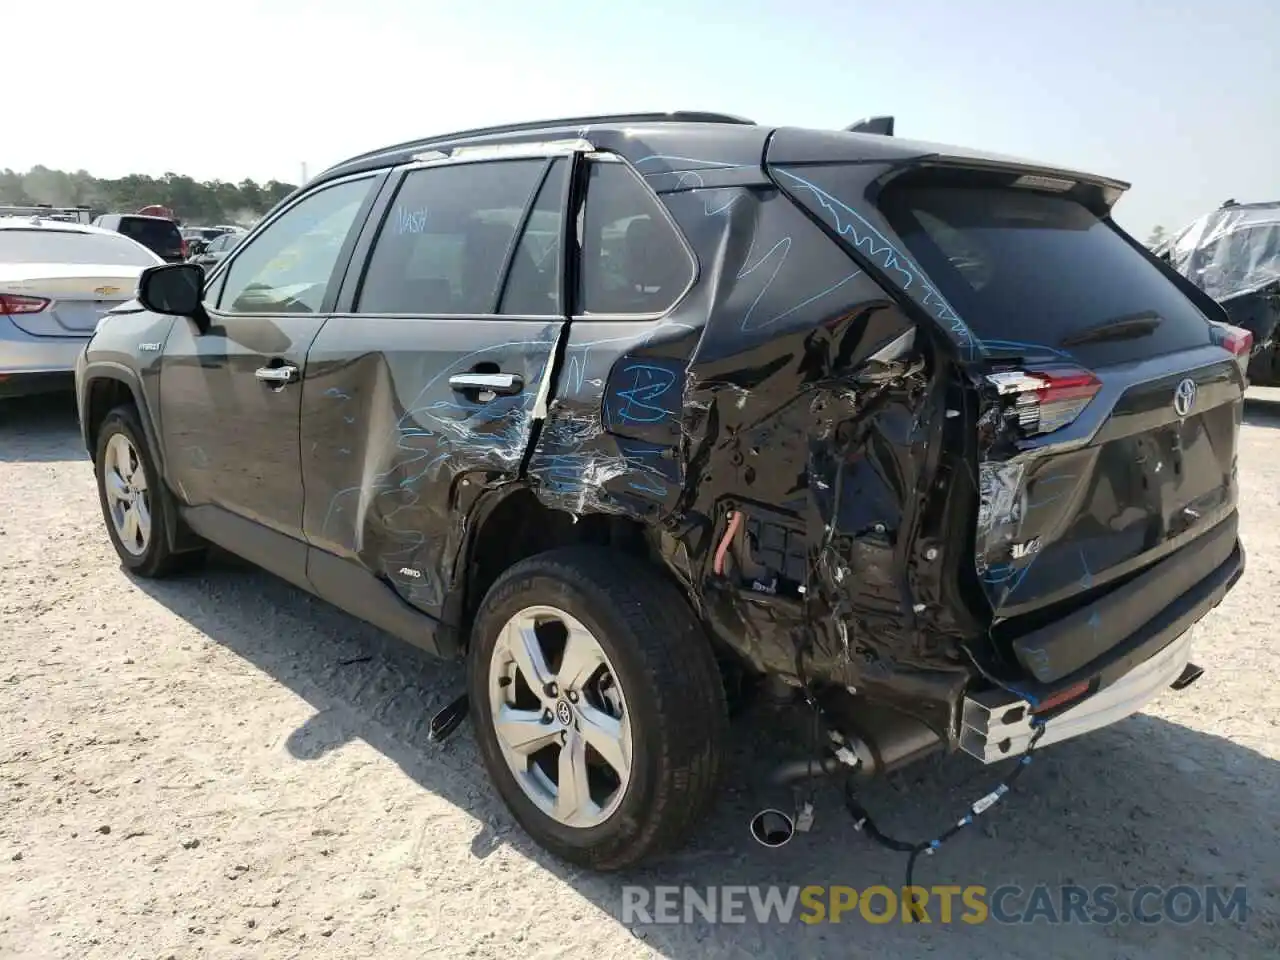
[
  {"x": 735, "y": 521},
  {"x": 862, "y": 820}
]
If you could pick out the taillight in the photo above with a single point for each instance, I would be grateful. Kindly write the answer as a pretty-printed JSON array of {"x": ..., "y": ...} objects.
[
  {"x": 1046, "y": 400},
  {"x": 1235, "y": 339},
  {"x": 12, "y": 305}
]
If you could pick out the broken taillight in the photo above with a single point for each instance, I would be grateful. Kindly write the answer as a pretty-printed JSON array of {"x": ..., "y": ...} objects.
[
  {"x": 1237, "y": 340},
  {"x": 1046, "y": 400}
]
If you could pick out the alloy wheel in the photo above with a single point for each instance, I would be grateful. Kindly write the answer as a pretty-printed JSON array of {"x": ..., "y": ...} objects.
[
  {"x": 124, "y": 479},
  {"x": 560, "y": 716}
]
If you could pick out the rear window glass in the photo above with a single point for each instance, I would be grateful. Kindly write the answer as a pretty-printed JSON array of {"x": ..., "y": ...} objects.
[
  {"x": 1026, "y": 268},
  {"x": 156, "y": 234},
  {"x": 65, "y": 246}
]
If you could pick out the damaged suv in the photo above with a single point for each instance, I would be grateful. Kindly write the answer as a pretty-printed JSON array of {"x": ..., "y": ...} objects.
[{"x": 625, "y": 408}]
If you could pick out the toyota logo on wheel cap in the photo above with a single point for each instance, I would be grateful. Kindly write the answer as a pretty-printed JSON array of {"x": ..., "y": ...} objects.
[
  {"x": 1184, "y": 397},
  {"x": 564, "y": 713}
]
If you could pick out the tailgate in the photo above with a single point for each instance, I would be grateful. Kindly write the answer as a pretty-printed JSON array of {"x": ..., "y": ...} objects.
[{"x": 1128, "y": 482}]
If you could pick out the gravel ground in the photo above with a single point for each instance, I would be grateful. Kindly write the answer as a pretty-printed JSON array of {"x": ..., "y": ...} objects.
[{"x": 222, "y": 766}]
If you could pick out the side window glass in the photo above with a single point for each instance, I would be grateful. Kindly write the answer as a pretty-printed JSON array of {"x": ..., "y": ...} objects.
[
  {"x": 286, "y": 268},
  {"x": 533, "y": 282},
  {"x": 446, "y": 238},
  {"x": 633, "y": 261},
  {"x": 213, "y": 292}
]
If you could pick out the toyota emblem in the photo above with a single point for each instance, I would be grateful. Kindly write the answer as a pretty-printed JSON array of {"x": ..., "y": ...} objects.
[{"x": 1184, "y": 397}]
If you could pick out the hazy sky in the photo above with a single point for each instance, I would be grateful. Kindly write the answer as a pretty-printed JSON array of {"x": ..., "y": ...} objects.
[{"x": 1181, "y": 98}]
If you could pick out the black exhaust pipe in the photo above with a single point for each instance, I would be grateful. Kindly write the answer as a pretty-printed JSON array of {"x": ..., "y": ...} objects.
[{"x": 1190, "y": 674}]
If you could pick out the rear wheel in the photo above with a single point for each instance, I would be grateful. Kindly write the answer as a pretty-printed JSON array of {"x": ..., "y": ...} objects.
[
  {"x": 598, "y": 706},
  {"x": 135, "y": 504}
]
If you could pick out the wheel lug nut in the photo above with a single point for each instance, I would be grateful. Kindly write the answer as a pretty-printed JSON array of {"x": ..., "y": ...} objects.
[
  {"x": 550, "y": 690},
  {"x": 546, "y": 716},
  {"x": 573, "y": 696}
]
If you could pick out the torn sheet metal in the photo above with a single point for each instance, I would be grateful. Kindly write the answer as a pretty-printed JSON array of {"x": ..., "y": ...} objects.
[{"x": 809, "y": 412}]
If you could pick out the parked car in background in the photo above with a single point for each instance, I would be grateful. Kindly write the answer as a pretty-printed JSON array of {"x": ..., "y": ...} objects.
[
  {"x": 48, "y": 212},
  {"x": 626, "y": 410},
  {"x": 157, "y": 234},
  {"x": 57, "y": 279},
  {"x": 1233, "y": 255},
  {"x": 199, "y": 237},
  {"x": 217, "y": 248}
]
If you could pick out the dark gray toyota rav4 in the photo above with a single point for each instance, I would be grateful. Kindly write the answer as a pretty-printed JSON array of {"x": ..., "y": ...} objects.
[{"x": 625, "y": 408}]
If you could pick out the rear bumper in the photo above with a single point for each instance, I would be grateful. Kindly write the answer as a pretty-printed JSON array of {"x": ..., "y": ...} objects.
[
  {"x": 997, "y": 724},
  {"x": 35, "y": 364},
  {"x": 1065, "y": 650}
]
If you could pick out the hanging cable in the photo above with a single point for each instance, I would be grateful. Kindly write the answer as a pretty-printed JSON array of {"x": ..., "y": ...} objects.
[{"x": 864, "y": 823}]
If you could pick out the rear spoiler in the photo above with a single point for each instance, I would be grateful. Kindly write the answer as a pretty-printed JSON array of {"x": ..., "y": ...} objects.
[{"x": 878, "y": 125}]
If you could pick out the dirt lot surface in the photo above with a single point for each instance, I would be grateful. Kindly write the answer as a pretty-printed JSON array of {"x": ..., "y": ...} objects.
[{"x": 222, "y": 766}]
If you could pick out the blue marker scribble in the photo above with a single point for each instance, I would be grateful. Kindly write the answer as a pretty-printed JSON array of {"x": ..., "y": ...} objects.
[
  {"x": 865, "y": 238},
  {"x": 410, "y": 221},
  {"x": 335, "y": 394},
  {"x": 1086, "y": 578},
  {"x": 426, "y": 441},
  {"x": 769, "y": 264},
  {"x": 649, "y": 384},
  {"x": 1037, "y": 659},
  {"x": 1041, "y": 481}
]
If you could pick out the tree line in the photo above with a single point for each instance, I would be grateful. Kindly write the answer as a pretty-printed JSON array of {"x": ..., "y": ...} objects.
[{"x": 192, "y": 201}]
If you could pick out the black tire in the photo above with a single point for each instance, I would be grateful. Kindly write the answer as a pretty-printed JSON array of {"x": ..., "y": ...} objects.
[
  {"x": 664, "y": 664},
  {"x": 158, "y": 559}
]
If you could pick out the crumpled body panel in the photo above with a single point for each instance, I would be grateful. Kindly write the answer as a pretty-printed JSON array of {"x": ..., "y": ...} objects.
[
  {"x": 386, "y": 442},
  {"x": 776, "y": 412}
]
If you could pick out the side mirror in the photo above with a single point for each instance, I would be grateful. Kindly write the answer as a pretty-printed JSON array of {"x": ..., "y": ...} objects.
[{"x": 176, "y": 289}]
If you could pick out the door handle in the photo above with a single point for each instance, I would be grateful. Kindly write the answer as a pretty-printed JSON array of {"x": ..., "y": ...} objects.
[
  {"x": 277, "y": 376},
  {"x": 503, "y": 383}
]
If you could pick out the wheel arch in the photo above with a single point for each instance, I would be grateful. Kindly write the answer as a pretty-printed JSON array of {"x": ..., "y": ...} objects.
[
  {"x": 105, "y": 386},
  {"x": 511, "y": 524}
]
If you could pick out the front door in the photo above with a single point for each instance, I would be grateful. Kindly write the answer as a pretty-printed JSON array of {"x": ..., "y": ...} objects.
[
  {"x": 230, "y": 398},
  {"x": 437, "y": 366}
]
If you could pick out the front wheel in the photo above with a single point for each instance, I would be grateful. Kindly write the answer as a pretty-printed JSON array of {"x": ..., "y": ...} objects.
[
  {"x": 598, "y": 706},
  {"x": 132, "y": 496}
]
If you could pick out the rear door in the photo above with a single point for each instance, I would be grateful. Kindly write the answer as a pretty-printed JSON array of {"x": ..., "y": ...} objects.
[
  {"x": 426, "y": 384},
  {"x": 1107, "y": 413}
]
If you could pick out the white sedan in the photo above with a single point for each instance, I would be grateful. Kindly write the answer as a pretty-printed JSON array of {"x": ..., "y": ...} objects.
[{"x": 57, "y": 280}]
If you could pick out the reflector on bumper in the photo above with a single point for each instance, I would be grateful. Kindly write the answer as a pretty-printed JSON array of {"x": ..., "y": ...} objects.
[{"x": 996, "y": 724}]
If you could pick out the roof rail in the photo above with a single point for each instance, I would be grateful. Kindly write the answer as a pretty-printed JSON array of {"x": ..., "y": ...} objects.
[
  {"x": 882, "y": 126},
  {"x": 674, "y": 116}
]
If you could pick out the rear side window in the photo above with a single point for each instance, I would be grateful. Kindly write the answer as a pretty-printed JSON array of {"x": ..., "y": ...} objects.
[
  {"x": 160, "y": 235},
  {"x": 446, "y": 238},
  {"x": 1026, "y": 268},
  {"x": 633, "y": 261},
  {"x": 533, "y": 280}
]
